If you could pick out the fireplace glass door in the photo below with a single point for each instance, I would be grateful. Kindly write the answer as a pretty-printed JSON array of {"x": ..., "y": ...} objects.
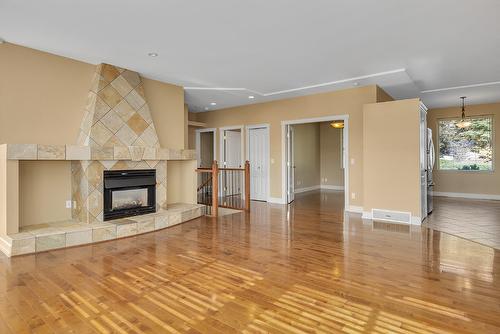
[{"x": 129, "y": 199}]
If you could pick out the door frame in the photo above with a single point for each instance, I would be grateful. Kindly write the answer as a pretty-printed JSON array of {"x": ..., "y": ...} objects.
[
  {"x": 221, "y": 143},
  {"x": 345, "y": 144},
  {"x": 198, "y": 141},
  {"x": 247, "y": 151}
]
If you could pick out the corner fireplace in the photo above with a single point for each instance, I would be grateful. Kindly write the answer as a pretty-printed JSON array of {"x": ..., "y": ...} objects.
[{"x": 129, "y": 193}]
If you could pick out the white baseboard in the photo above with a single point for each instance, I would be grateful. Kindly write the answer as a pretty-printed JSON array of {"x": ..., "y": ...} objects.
[
  {"x": 317, "y": 187},
  {"x": 330, "y": 187},
  {"x": 276, "y": 200},
  {"x": 303, "y": 190},
  {"x": 355, "y": 209},
  {"x": 466, "y": 195}
]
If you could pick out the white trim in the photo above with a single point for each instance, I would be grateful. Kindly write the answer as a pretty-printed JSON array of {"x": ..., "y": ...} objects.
[
  {"x": 330, "y": 83},
  {"x": 276, "y": 200},
  {"x": 305, "y": 189},
  {"x": 197, "y": 134},
  {"x": 331, "y": 187},
  {"x": 355, "y": 209},
  {"x": 466, "y": 195},
  {"x": 221, "y": 143},
  {"x": 345, "y": 143},
  {"x": 266, "y": 126},
  {"x": 461, "y": 87},
  {"x": 318, "y": 187}
]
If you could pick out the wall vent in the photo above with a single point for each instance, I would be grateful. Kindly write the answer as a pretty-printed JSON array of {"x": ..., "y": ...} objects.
[{"x": 391, "y": 216}]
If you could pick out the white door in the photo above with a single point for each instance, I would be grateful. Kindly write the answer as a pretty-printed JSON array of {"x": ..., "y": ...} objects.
[
  {"x": 290, "y": 166},
  {"x": 258, "y": 144},
  {"x": 232, "y": 149}
]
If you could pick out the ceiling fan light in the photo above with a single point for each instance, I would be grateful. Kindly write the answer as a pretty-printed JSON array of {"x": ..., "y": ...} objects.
[{"x": 464, "y": 124}]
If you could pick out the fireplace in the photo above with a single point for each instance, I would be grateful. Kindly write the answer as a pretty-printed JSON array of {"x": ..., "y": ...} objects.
[{"x": 129, "y": 193}]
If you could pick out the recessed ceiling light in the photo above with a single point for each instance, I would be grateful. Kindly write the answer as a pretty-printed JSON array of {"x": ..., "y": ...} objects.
[
  {"x": 251, "y": 97},
  {"x": 213, "y": 103},
  {"x": 206, "y": 108},
  {"x": 355, "y": 84},
  {"x": 153, "y": 54}
]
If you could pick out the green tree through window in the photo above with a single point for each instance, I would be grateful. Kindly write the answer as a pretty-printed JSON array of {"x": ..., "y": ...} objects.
[{"x": 466, "y": 149}]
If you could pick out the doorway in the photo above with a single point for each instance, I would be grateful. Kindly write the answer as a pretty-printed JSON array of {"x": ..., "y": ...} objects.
[
  {"x": 258, "y": 156},
  {"x": 205, "y": 147},
  {"x": 315, "y": 155},
  {"x": 231, "y": 147}
]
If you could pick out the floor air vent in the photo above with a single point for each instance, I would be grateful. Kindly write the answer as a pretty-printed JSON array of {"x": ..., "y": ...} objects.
[{"x": 392, "y": 216}]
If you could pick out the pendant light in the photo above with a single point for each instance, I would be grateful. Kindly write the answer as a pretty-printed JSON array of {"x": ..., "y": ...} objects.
[
  {"x": 464, "y": 122},
  {"x": 337, "y": 124}
]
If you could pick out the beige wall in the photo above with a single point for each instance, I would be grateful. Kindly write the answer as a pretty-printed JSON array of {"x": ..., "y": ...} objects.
[
  {"x": 42, "y": 99},
  {"x": 349, "y": 101},
  {"x": 181, "y": 179},
  {"x": 461, "y": 181},
  {"x": 306, "y": 147},
  {"x": 391, "y": 145},
  {"x": 331, "y": 171}
]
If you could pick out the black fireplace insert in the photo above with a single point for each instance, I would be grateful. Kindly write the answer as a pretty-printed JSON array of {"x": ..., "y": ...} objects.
[{"x": 129, "y": 193}]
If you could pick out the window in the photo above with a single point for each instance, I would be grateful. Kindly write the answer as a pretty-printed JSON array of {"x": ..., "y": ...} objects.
[{"x": 468, "y": 149}]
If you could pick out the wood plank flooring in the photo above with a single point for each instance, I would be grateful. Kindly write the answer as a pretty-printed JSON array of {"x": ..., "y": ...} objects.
[
  {"x": 472, "y": 219},
  {"x": 301, "y": 269}
]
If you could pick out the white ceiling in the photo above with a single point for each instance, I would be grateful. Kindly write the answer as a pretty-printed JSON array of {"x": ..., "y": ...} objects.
[{"x": 274, "y": 49}]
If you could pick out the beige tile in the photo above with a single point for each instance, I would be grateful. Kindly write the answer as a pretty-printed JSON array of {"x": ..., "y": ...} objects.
[
  {"x": 137, "y": 124},
  {"x": 103, "y": 233},
  {"x": 163, "y": 153},
  {"x": 135, "y": 99},
  {"x": 78, "y": 238},
  {"x": 188, "y": 154},
  {"x": 126, "y": 229},
  {"x": 50, "y": 241},
  {"x": 94, "y": 173},
  {"x": 91, "y": 101},
  {"x": 124, "y": 110},
  {"x": 126, "y": 135},
  {"x": 109, "y": 72},
  {"x": 110, "y": 96},
  {"x": 175, "y": 154},
  {"x": 51, "y": 152},
  {"x": 161, "y": 221},
  {"x": 100, "y": 133},
  {"x": 121, "y": 153},
  {"x": 95, "y": 203},
  {"x": 121, "y": 85},
  {"x": 74, "y": 152},
  {"x": 22, "y": 151},
  {"x": 112, "y": 121},
  {"x": 101, "y": 109},
  {"x": 145, "y": 225},
  {"x": 136, "y": 152},
  {"x": 132, "y": 78},
  {"x": 149, "y": 136},
  {"x": 146, "y": 114},
  {"x": 161, "y": 196},
  {"x": 22, "y": 243},
  {"x": 190, "y": 214},
  {"x": 149, "y": 153},
  {"x": 101, "y": 153},
  {"x": 174, "y": 218}
]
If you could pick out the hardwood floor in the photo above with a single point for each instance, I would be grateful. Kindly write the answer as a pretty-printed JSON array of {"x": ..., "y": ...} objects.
[
  {"x": 476, "y": 220},
  {"x": 305, "y": 269}
]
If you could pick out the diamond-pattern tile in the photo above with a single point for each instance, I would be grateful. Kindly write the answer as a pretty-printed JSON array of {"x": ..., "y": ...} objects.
[
  {"x": 126, "y": 135},
  {"x": 112, "y": 121},
  {"x": 137, "y": 124},
  {"x": 110, "y": 96}
]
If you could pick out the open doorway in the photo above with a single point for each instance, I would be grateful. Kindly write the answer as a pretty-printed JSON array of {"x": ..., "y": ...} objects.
[
  {"x": 315, "y": 157},
  {"x": 205, "y": 147}
]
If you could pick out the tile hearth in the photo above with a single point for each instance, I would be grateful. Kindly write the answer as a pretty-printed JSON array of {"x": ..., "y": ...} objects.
[{"x": 56, "y": 235}]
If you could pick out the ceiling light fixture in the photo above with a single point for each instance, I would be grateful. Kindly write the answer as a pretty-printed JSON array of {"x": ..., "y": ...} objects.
[
  {"x": 355, "y": 84},
  {"x": 337, "y": 124},
  {"x": 206, "y": 108},
  {"x": 153, "y": 54},
  {"x": 464, "y": 121},
  {"x": 213, "y": 103},
  {"x": 251, "y": 97}
]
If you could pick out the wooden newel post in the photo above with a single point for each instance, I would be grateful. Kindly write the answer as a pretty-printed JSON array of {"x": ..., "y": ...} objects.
[
  {"x": 247, "y": 185},
  {"x": 215, "y": 188}
]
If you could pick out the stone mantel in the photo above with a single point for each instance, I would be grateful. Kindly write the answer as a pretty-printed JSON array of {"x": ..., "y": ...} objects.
[{"x": 79, "y": 153}]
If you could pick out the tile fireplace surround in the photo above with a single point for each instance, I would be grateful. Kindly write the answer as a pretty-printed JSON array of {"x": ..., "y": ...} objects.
[{"x": 117, "y": 132}]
